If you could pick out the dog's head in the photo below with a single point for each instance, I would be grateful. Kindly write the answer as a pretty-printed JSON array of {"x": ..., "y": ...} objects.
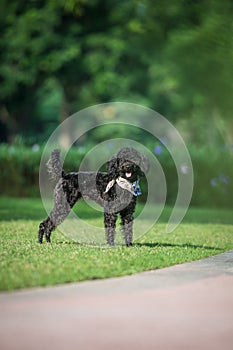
[{"x": 129, "y": 164}]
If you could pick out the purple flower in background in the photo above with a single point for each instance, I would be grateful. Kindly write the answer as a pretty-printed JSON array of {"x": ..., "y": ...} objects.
[
  {"x": 214, "y": 182},
  {"x": 224, "y": 179},
  {"x": 158, "y": 149},
  {"x": 35, "y": 147},
  {"x": 221, "y": 180}
]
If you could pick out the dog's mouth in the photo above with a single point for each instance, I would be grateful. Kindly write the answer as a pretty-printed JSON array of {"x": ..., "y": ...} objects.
[{"x": 129, "y": 172}]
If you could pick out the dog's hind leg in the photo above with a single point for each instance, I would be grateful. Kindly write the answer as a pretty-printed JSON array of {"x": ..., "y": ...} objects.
[
  {"x": 58, "y": 214},
  {"x": 45, "y": 227},
  {"x": 63, "y": 203},
  {"x": 110, "y": 227}
]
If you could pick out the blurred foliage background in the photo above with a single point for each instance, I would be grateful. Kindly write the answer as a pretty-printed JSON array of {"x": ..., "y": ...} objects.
[{"x": 60, "y": 56}]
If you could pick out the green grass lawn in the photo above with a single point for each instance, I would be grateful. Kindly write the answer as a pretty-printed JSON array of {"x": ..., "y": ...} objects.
[{"x": 25, "y": 263}]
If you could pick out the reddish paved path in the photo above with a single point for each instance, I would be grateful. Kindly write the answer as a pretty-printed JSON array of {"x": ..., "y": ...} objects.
[{"x": 188, "y": 306}]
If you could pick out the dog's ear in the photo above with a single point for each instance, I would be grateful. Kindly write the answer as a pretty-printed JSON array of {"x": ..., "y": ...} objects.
[
  {"x": 113, "y": 167},
  {"x": 144, "y": 164}
]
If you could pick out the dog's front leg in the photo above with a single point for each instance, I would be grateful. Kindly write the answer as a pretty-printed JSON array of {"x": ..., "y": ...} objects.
[
  {"x": 110, "y": 227},
  {"x": 127, "y": 227}
]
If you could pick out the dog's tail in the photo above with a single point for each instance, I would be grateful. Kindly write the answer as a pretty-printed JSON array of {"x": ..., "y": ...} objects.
[{"x": 54, "y": 166}]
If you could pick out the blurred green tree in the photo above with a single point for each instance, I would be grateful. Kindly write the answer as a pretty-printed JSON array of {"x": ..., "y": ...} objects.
[
  {"x": 60, "y": 56},
  {"x": 35, "y": 45},
  {"x": 200, "y": 57}
]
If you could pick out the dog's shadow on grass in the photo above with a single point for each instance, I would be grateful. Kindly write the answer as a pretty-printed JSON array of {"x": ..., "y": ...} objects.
[
  {"x": 141, "y": 245},
  {"x": 165, "y": 245}
]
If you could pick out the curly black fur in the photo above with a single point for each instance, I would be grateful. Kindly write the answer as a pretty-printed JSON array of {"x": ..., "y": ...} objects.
[{"x": 71, "y": 187}]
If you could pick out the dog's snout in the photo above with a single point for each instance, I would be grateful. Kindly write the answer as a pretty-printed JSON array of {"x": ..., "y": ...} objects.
[{"x": 128, "y": 167}]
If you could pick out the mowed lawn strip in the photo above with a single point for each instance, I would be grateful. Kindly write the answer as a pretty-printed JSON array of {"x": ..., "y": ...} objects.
[{"x": 25, "y": 263}]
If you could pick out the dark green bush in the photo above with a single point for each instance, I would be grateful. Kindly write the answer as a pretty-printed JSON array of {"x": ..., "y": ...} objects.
[
  {"x": 213, "y": 173},
  {"x": 213, "y": 176},
  {"x": 19, "y": 171}
]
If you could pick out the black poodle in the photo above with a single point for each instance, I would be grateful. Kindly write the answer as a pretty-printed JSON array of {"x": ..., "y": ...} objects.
[{"x": 116, "y": 190}]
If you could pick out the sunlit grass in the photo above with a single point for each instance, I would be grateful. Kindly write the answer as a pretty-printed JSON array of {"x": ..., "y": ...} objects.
[{"x": 25, "y": 263}]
